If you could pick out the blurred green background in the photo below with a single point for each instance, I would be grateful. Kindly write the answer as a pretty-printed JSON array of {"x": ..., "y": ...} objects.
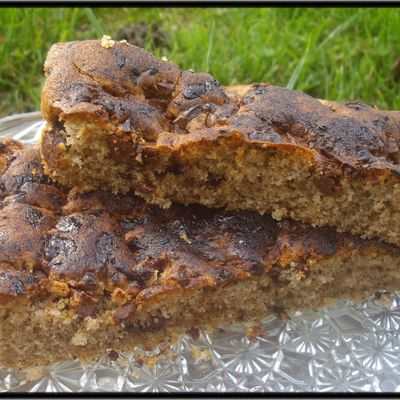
[{"x": 340, "y": 54}]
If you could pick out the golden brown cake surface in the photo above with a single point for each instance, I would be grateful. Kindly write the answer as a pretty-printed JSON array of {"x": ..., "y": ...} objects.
[
  {"x": 123, "y": 120},
  {"x": 82, "y": 273},
  {"x": 140, "y": 94}
]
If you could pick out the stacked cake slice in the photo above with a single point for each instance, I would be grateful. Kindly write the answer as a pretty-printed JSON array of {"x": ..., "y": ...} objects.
[
  {"x": 120, "y": 119},
  {"x": 89, "y": 262}
]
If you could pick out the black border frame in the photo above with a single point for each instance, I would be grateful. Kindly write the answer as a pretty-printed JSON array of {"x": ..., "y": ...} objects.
[{"x": 198, "y": 4}]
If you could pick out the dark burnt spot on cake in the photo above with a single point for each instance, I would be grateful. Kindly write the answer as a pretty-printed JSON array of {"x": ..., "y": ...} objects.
[
  {"x": 58, "y": 248},
  {"x": 33, "y": 216},
  {"x": 193, "y": 91},
  {"x": 21, "y": 180},
  {"x": 104, "y": 248},
  {"x": 17, "y": 286},
  {"x": 153, "y": 70}
]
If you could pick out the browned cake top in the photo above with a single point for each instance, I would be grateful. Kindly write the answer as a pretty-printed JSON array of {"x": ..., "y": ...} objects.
[
  {"x": 131, "y": 92},
  {"x": 56, "y": 243}
]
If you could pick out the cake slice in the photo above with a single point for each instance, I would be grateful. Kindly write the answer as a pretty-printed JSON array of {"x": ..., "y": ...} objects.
[
  {"x": 120, "y": 119},
  {"x": 81, "y": 274}
]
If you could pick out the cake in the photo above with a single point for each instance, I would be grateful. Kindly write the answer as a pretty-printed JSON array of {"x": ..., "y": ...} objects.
[
  {"x": 122, "y": 120},
  {"x": 82, "y": 274}
]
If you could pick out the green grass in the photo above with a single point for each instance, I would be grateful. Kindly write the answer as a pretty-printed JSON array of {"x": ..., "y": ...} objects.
[{"x": 331, "y": 53}]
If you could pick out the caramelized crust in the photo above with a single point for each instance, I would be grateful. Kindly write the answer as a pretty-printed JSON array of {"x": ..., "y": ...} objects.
[
  {"x": 98, "y": 241},
  {"x": 139, "y": 94},
  {"x": 120, "y": 119}
]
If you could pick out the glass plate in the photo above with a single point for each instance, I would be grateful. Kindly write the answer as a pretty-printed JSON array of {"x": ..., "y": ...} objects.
[{"x": 352, "y": 347}]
